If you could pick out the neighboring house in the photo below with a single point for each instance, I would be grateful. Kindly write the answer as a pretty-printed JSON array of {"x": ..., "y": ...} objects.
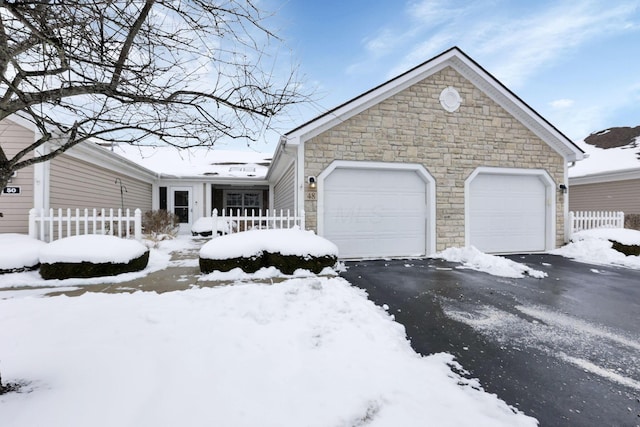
[
  {"x": 609, "y": 179},
  {"x": 193, "y": 182},
  {"x": 442, "y": 155},
  {"x": 190, "y": 183},
  {"x": 83, "y": 177}
]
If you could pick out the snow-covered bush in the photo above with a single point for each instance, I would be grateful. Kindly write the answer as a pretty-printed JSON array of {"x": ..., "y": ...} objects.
[
  {"x": 19, "y": 253},
  {"x": 204, "y": 226},
  {"x": 287, "y": 250},
  {"x": 92, "y": 256},
  {"x": 622, "y": 240}
]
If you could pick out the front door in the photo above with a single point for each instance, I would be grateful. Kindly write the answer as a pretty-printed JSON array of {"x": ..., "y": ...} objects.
[{"x": 181, "y": 206}]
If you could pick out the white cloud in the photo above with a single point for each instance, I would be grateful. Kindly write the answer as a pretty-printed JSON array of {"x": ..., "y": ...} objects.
[
  {"x": 583, "y": 117},
  {"x": 521, "y": 47},
  {"x": 561, "y": 103},
  {"x": 433, "y": 12},
  {"x": 513, "y": 45}
]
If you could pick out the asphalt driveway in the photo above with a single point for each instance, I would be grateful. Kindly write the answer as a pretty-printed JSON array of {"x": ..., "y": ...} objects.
[{"x": 564, "y": 349}]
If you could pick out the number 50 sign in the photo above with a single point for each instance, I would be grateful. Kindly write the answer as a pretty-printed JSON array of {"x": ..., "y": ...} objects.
[{"x": 11, "y": 190}]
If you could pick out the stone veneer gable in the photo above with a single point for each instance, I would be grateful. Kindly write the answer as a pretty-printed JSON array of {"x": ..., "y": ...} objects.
[{"x": 412, "y": 127}]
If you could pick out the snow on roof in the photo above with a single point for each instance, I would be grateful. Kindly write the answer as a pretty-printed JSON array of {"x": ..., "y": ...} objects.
[
  {"x": 602, "y": 160},
  {"x": 197, "y": 161}
]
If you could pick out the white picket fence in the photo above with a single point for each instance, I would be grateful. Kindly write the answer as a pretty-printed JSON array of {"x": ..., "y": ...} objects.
[
  {"x": 245, "y": 220},
  {"x": 586, "y": 220},
  {"x": 49, "y": 225}
]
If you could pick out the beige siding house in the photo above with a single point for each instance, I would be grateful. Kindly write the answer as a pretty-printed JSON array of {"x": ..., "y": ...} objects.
[
  {"x": 443, "y": 155},
  {"x": 83, "y": 177},
  {"x": 609, "y": 179},
  {"x": 76, "y": 181},
  {"x": 16, "y": 134},
  {"x": 594, "y": 193}
]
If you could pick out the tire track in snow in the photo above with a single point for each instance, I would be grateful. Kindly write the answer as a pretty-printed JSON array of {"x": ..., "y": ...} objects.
[
  {"x": 595, "y": 369},
  {"x": 563, "y": 320},
  {"x": 593, "y": 348}
]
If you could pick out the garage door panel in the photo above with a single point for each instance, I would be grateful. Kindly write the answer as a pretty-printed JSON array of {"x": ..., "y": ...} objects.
[
  {"x": 375, "y": 212},
  {"x": 508, "y": 213}
]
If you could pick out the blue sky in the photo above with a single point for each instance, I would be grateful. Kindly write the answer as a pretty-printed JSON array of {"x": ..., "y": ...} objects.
[{"x": 576, "y": 62}]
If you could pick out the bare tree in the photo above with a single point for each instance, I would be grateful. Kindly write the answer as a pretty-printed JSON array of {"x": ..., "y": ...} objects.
[{"x": 184, "y": 72}]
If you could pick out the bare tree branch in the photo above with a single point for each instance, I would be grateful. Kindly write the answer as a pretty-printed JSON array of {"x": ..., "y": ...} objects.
[{"x": 185, "y": 73}]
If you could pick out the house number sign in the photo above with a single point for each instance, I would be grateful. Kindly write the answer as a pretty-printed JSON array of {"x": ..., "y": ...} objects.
[{"x": 11, "y": 190}]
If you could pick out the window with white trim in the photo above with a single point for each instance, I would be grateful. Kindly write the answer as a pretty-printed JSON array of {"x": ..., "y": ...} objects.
[{"x": 242, "y": 200}]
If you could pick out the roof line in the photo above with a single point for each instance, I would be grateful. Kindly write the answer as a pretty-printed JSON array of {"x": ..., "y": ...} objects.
[
  {"x": 435, "y": 58},
  {"x": 369, "y": 91},
  {"x": 518, "y": 98}
]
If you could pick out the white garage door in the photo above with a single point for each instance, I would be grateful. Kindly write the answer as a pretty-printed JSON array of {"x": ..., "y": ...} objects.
[
  {"x": 375, "y": 213},
  {"x": 508, "y": 213}
]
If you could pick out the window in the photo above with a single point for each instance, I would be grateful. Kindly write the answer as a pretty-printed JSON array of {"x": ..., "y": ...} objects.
[
  {"x": 235, "y": 200},
  {"x": 163, "y": 198}
]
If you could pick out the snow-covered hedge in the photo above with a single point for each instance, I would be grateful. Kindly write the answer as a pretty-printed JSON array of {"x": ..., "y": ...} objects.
[
  {"x": 92, "y": 256},
  {"x": 622, "y": 240},
  {"x": 617, "y": 246},
  {"x": 204, "y": 226},
  {"x": 19, "y": 253},
  {"x": 287, "y": 250}
]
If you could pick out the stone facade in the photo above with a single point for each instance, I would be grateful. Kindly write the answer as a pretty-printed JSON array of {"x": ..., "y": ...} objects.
[{"x": 412, "y": 127}]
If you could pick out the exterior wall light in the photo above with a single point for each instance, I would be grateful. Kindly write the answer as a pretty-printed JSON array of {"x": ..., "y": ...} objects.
[
  {"x": 563, "y": 188},
  {"x": 311, "y": 180}
]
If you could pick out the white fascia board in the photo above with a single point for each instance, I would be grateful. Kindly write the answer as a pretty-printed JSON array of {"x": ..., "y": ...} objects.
[
  {"x": 516, "y": 107},
  {"x": 92, "y": 153},
  {"x": 285, "y": 154},
  {"x": 282, "y": 142},
  {"x": 298, "y": 195},
  {"x": 366, "y": 101},
  {"x": 596, "y": 178}
]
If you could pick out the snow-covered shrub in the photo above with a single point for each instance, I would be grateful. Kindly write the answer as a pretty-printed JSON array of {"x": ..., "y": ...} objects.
[
  {"x": 160, "y": 223},
  {"x": 288, "y": 264},
  {"x": 19, "y": 253},
  {"x": 92, "y": 256},
  {"x": 287, "y": 250},
  {"x": 249, "y": 264},
  {"x": 204, "y": 226}
]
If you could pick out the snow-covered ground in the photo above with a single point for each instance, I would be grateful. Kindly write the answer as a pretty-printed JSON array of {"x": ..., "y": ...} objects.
[{"x": 304, "y": 352}]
